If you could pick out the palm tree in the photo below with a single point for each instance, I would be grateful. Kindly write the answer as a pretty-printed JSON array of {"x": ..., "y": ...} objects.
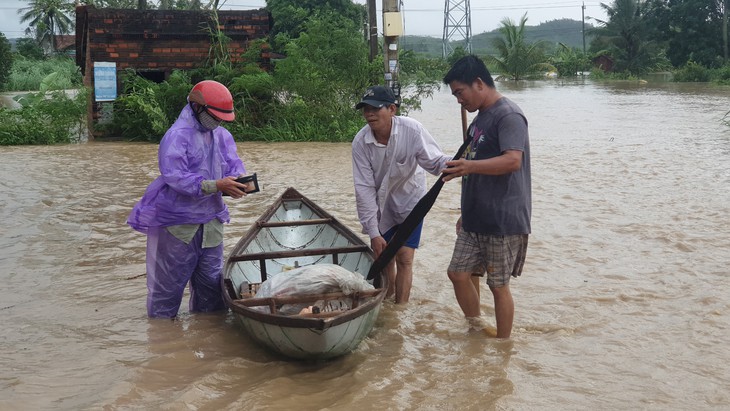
[
  {"x": 627, "y": 31},
  {"x": 47, "y": 18},
  {"x": 518, "y": 58}
]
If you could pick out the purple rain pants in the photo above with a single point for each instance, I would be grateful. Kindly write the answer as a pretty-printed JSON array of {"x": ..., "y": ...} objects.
[{"x": 171, "y": 264}]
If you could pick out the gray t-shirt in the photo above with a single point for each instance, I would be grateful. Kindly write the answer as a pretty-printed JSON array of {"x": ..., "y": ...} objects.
[{"x": 498, "y": 205}]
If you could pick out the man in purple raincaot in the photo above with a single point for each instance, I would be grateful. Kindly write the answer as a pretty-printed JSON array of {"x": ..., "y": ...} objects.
[{"x": 182, "y": 211}]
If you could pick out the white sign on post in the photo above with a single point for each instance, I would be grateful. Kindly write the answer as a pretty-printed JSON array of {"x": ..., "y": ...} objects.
[{"x": 105, "y": 81}]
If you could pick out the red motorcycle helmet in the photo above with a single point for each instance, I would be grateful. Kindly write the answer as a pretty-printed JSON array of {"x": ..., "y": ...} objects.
[{"x": 215, "y": 98}]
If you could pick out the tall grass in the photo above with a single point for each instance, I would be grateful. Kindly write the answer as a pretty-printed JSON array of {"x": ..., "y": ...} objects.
[{"x": 28, "y": 74}]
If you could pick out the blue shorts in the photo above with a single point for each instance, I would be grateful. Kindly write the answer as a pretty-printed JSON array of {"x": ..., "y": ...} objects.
[{"x": 413, "y": 240}]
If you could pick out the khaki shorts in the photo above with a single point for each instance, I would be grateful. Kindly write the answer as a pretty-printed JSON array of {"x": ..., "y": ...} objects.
[{"x": 501, "y": 257}]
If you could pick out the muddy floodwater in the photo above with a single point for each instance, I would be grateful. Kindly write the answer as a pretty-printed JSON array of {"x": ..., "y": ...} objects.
[{"x": 624, "y": 302}]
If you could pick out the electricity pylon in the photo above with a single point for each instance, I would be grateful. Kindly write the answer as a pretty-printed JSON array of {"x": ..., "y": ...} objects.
[{"x": 457, "y": 25}]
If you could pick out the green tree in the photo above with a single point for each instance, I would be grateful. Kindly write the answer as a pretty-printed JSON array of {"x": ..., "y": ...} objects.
[
  {"x": 692, "y": 30},
  {"x": 628, "y": 32},
  {"x": 291, "y": 16},
  {"x": 6, "y": 61},
  {"x": 47, "y": 18},
  {"x": 28, "y": 48},
  {"x": 517, "y": 58},
  {"x": 325, "y": 71}
]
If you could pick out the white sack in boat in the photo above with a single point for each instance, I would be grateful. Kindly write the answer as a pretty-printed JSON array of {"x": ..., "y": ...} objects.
[{"x": 311, "y": 279}]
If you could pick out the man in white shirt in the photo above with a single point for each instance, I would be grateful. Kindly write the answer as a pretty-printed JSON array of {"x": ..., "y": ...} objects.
[{"x": 389, "y": 156}]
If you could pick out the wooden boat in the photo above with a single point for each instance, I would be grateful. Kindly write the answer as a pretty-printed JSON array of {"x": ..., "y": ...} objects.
[{"x": 295, "y": 232}]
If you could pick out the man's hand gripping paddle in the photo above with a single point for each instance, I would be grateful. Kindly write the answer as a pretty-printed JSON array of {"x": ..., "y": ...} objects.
[{"x": 411, "y": 222}]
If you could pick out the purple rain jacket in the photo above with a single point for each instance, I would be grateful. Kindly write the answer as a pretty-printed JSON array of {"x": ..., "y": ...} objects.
[{"x": 187, "y": 156}]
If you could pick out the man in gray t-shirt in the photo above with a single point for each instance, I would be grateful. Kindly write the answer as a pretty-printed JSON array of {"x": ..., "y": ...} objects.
[{"x": 496, "y": 199}]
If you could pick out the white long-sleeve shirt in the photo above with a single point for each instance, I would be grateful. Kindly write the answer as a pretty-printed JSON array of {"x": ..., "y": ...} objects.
[{"x": 389, "y": 179}]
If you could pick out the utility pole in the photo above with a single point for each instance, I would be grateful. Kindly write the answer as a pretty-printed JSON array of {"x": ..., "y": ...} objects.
[
  {"x": 457, "y": 25},
  {"x": 392, "y": 28},
  {"x": 372, "y": 30},
  {"x": 724, "y": 28},
  {"x": 583, "y": 17}
]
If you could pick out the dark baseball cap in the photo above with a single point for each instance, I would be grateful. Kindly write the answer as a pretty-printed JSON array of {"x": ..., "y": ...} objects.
[{"x": 378, "y": 96}]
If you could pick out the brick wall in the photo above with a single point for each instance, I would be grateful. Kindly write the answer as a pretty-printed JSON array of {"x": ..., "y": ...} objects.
[{"x": 161, "y": 39}]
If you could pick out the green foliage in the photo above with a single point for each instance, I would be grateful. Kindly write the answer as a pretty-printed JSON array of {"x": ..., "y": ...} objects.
[
  {"x": 6, "y": 61},
  {"x": 171, "y": 95},
  {"x": 29, "y": 49},
  {"x": 723, "y": 75},
  {"x": 696, "y": 72},
  {"x": 253, "y": 95},
  {"x": 145, "y": 109},
  {"x": 292, "y": 16},
  {"x": 599, "y": 75},
  {"x": 691, "y": 30},
  {"x": 569, "y": 61},
  {"x": 29, "y": 74},
  {"x": 318, "y": 84},
  {"x": 692, "y": 72},
  {"x": 45, "y": 118},
  {"x": 218, "y": 54},
  {"x": 518, "y": 59},
  {"x": 628, "y": 33}
]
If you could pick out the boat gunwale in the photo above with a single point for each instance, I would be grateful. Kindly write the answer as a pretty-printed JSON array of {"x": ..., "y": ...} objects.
[
  {"x": 294, "y": 321},
  {"x": 292, "y": 195}
]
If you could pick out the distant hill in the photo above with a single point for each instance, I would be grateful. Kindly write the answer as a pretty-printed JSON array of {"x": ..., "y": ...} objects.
[{"x": 566, "y": 31}]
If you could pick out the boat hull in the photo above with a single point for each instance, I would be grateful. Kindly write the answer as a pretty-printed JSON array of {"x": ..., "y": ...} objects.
[
  {"x": 311, "y": 343},
  {"x": 295, "y": 232}
]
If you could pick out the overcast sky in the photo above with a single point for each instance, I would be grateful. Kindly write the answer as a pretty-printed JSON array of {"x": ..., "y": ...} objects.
[{"x": 422, "y": 17}]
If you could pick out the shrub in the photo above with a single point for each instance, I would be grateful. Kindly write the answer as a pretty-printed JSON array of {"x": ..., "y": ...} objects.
[
  {"x": 6, "y": 61},
  {"x": 692, "y": 72},
  {"x": 569, "y": 61},
  {"x": 145, "y": 109},
  {"x": 722, "y": 75},
  {"x": 45, "y": 119}
]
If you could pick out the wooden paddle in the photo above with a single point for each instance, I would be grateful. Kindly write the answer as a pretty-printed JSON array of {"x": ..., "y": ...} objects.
[{"x": 411, "y": 222}]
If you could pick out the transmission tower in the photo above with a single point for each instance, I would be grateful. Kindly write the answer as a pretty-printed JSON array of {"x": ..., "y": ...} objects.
[{"x": 457, "y": 25}]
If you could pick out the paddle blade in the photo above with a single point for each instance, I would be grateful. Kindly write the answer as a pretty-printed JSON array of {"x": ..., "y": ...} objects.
[{"x": 405, "y": 229}]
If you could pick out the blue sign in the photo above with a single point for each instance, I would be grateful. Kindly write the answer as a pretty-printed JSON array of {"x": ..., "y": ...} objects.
[{"x": 105, "y": 81}]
